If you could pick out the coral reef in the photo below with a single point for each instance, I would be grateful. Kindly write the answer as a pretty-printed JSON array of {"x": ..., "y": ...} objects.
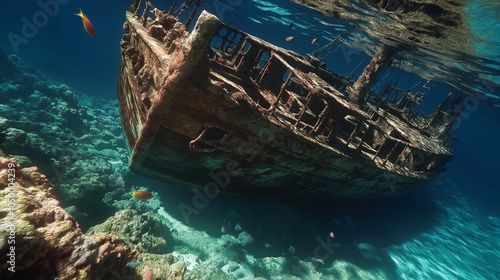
[
  {"x": 146, "y": 233},
  {"x": 76, "y": 140},
  {"x": 43, "y": 239},
  {"x": 163, "y": 266},
  {"x": 142, "y": 232}
]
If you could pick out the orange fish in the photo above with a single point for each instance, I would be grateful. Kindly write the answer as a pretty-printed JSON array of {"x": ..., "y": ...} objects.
[
  {"x": 87, "y": 25},
  {"x": 142, "y": 195},
  {"x": 149, "y": 274}
]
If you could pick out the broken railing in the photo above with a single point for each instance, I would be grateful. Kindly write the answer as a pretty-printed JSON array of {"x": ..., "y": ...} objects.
[
  {"x": 313, "y": 109},
  {"x": 272, "y": 78}
]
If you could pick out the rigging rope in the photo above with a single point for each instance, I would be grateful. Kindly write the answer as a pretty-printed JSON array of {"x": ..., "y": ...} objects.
[{"x": 327, "y": 49}]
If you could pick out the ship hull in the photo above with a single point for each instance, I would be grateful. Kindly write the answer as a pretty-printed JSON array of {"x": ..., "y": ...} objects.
[{"x": 189, "y": 123}]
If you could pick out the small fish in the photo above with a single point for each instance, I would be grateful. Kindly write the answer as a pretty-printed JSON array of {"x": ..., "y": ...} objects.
[
  {"x": 313, "y": 41},
  {"x": 87, "y": 25},
  {"x": 132, "y": 265},
  {"x": 142, "y": 195},
  {"x": 289, "y": 38},
  {"x": 73, "y": 211},
  {"x": 291, "y": 250},
  {"x": 148, "y": 275},
  {"x": 337, "y": 222},
  {"x": 332, "y": 235}
]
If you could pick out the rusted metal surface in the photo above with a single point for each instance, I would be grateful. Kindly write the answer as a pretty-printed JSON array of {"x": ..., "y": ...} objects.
[{"x": 273, "y": 121}]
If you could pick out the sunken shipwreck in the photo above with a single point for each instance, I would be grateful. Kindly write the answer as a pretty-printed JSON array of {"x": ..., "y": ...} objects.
[{"x": 220, "y": 109}]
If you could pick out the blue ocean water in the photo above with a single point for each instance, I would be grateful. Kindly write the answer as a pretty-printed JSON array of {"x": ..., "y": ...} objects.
[{"x": 449, "y": 229}]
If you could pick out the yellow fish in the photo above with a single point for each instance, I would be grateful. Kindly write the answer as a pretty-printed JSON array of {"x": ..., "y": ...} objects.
[
  {"x": 313, "y": 41},
  {"x": 87, "y": 25},
  {"x": 142, "y": 194},
  {"x": 289, "y": 38}
]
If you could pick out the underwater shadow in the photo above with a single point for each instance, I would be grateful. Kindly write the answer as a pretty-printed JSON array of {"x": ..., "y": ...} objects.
[
  {"x": 363, "y": 232},
  {"x": 302, "y": 230}
]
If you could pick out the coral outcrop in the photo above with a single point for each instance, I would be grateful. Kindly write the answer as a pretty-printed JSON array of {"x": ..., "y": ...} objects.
[
  {"x": 43, "y": 240},
  {"x": 146, "y": 233},
  {"x": 143, "y": 232}
]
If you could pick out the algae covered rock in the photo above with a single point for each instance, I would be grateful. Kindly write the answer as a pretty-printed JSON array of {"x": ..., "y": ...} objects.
[
  {"x": 208, "y": 272},
  {"x": 42, "y": 240},
  {"x": 163, "y": 266},
  {"x": 142, "y": 232}
]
